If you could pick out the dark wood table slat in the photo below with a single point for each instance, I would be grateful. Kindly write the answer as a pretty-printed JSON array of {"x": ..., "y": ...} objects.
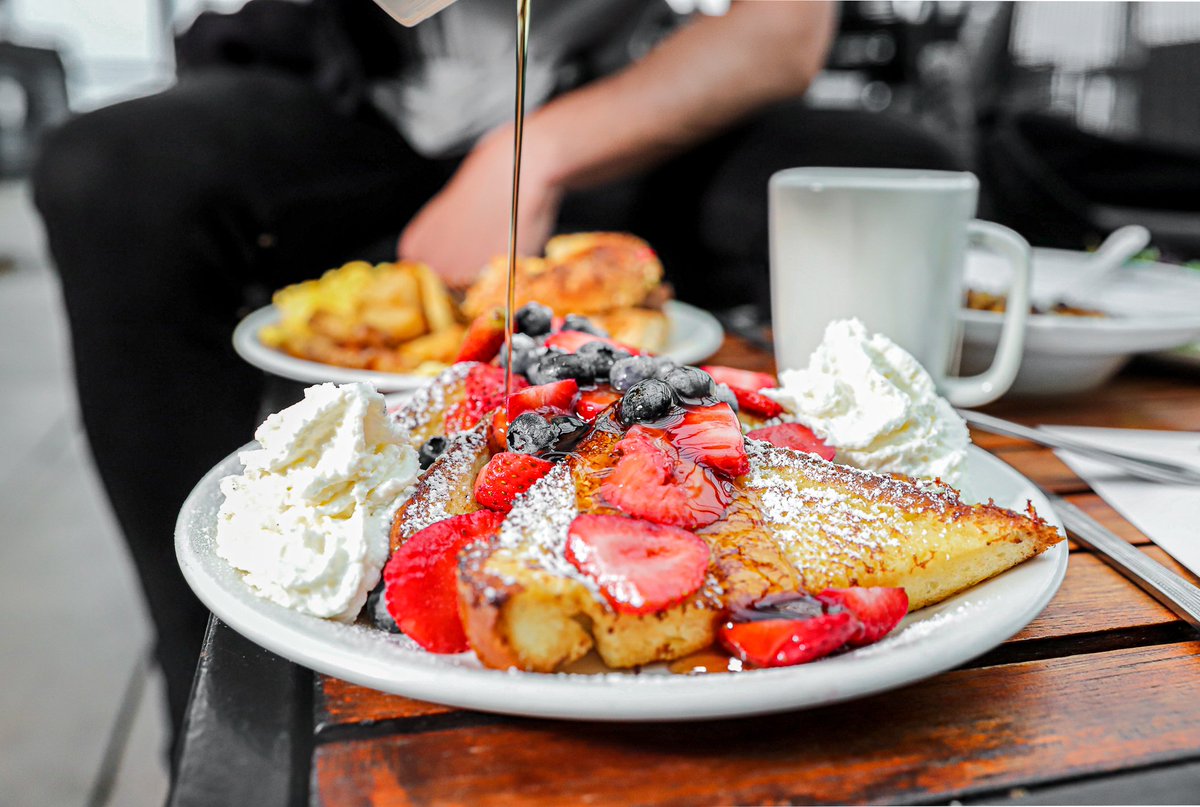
[
  {"x": 340, "y": 703},
  {"x": 1095, "y": 598},
  {"x": 966, "y": 731}
]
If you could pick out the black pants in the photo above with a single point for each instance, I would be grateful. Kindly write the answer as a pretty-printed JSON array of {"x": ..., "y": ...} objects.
[{"x": 171, "y": 216}]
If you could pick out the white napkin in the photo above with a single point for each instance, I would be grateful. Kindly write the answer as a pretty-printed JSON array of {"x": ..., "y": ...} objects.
[{"x": 1169, "y": 515}]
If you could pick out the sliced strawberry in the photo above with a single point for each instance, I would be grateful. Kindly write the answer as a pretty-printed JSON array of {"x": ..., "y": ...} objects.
[
  {"x": 506, "y": 476},
  {"x": 483, "y": 391},
  {"x": 789, "y": 628},
  {"x": 711, "y": 436},
  {"x": 755, "y": 403},
  {"x": 484, "y": 337},
  {"x": 877, "y": 608},
  {"x": 557, "y": 396},
  {"x": 794, "y": 436},
  {"x": 640, "y": 567},
  {"x": 783, "y": 642},
  {"x": 651, "y": 480},
  {"x": 420, "y": 586},
  {"x": 498, "y": 432},
  {"x": 484, "y": 380},
  {"x": 571, "y": 341},
  {"x": 594, "y": 401},
  {"x": 740, "y": 379}
]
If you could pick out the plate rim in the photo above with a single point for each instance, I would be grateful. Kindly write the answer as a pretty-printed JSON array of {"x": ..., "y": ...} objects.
[
  {"x": 691, "y": 697},
  {"x": 250, "y": 348}
]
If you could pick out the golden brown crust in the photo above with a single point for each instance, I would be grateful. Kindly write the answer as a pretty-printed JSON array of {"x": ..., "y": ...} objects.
[
  {"x": 582, "y": 273},
  {"x": 642, "y": 328},
  {"x": 796, "y": 522}
]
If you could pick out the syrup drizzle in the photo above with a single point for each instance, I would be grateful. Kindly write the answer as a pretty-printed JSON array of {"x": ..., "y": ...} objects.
[{"x": 518, "y": 133}]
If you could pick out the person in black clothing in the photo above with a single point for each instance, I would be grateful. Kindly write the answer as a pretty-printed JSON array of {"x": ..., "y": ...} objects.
[{"x": 300, "y": 137}]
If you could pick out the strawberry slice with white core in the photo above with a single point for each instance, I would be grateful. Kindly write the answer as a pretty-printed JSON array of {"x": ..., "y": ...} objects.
[
  {"x": 877, "y": 608},
  {"x": 421, "y": 585},
  {"x": 711, "y": 436},
  {"x": 640, "y": 567},
  {"x": 795, "y": 437},
  {"x": 740, "y": 379},
  {"x": 651, "y": 480},
  {"x": 557, "y": 396}
]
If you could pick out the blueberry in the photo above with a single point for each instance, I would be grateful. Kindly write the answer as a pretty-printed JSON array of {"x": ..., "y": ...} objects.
[
  {"x": 691, "y": 382},
  {"x": 432, "y": 449},
  {"x": 725, "y": 395},
  {"x": 533, "y": 319},
  {"x": 530, "y": 433},
  {"x": 600, "y": 357},
  {"x": 575, "y": 322},
  {"x": 647, "y": 400},
  {"x": 662, "y": 366},
  {"x": 377, "y": 611},
  {"x": 524, "y": 351},
  {"x": 556, "y": 366},
  {"x": 626, "y": 372},
  {"x": 568, "y": 430}
]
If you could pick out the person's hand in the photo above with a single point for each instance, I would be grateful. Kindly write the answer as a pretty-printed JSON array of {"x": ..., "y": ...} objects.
[{"x": 466, "y": 224}]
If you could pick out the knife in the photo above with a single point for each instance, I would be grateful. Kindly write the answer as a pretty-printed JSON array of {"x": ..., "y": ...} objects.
[
  {"x": 1157, "y": 580},
  {"x": 1141, "y": 467}
]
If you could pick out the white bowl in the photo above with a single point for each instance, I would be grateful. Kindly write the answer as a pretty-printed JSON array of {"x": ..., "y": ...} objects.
[{"x": 1152, "y": 307}]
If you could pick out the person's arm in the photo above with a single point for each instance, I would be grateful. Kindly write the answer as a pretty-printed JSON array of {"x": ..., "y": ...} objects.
[{"x": 698, "y": 82}]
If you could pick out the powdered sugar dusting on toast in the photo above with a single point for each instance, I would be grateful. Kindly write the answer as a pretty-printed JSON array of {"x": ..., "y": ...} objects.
[
  {"x": 536, "y": 528},
  {"x": 430, "y": 399},
  {"x": 442, "y": 478},
  {"x": 856, "y": 509}
]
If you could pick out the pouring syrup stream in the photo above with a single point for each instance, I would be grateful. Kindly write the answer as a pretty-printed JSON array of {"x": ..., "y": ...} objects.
[{"x": 518, "y": 132}]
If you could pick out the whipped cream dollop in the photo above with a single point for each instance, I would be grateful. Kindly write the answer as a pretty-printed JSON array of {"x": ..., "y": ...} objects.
[
  {"x": 876, "y": 405},
  {"x": 307, "y": 520}
]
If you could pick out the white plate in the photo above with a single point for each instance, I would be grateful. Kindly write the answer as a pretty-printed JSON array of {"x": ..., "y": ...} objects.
[
  {"x": 695, "y": 335},
  {"x": 1154, "y": 307},
  {"x": 927, "y": 642}
]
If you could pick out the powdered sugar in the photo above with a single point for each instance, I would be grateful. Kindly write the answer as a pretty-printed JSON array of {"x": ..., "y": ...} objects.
[
  {"x": 414, "y": 414},
  {"x": 856, "y": 512},
  {"x": 536, "y": 528},
  {"x": 447, "y": 474}
]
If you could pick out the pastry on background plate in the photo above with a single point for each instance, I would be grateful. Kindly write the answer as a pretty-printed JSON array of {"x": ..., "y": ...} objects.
[{"x": 615, "y": 279}]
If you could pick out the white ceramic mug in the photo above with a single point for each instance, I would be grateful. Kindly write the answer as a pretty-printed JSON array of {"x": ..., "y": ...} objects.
[{"x": 888, "y": 246}]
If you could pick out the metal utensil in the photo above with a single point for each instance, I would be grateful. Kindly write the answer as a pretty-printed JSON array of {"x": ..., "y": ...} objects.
[
  {"x": 1157, "y": 580},
  {"x": 1141, "y": 467},
  {"x": 1121, "y": 245}
]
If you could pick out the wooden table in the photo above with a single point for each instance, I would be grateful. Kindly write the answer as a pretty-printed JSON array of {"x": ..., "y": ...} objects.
[{"x": 1096, "y": 701}]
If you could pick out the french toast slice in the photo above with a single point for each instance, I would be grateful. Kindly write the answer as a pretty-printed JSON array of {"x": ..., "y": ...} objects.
[
  {"x": 423, "y": 415},
  {"x": 796, "y": 522},
  {"x": 446, "y": 489},
  {"x": 839, "y": 527}
]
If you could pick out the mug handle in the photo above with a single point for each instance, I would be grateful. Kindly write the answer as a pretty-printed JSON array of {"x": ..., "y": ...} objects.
[{"x": 976, "y": 390}]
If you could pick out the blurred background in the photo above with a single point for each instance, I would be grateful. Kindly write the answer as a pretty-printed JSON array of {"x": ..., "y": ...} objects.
[{"x": 81, "y": 709}]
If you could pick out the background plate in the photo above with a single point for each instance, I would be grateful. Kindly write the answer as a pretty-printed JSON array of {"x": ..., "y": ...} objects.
[
  {"x": 927, "y": 642},
  {"x": 1155, "y": 307},
  {"x": 695, "y": 335}
]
